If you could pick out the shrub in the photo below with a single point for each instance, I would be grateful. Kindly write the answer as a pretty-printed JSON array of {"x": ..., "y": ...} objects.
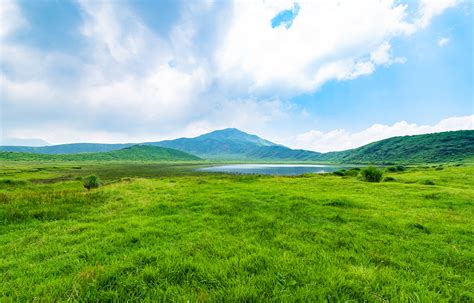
[
  {"x": 91, "y": 181},
  {"x": 427, "y": 182},
  {"x": 393, "y": 169},
  {"x": 401, "y": 168},
  {"x": 352, "y": 172},
  {"x": 371, "y": 174},
  {"x": 389, "y": 179},
  {"x": 13, "y": 182},
  {"x": 339, "y": 172}
]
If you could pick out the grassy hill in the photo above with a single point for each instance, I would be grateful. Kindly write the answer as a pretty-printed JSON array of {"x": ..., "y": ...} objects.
[
  {"x": 430, "y": 148},
  {"x": 72, "y": 148},
  {"x": 233, "y": 144},
  {"x": 279, "y": 152},
  {"x": 132, "y": 153}
]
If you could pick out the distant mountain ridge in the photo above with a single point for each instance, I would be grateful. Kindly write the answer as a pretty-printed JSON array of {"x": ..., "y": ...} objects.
[
  {"x": 233, "y": 144},
  {"x": 70, "y": 148},
  {"x": 131, "y": 153}
]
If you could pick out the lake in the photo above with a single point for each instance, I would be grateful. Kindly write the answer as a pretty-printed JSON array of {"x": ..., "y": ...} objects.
[{"x": 272, "y": 169}]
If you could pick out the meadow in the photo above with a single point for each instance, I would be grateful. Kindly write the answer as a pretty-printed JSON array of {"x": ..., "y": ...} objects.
[{"x": 165, "y": 232}]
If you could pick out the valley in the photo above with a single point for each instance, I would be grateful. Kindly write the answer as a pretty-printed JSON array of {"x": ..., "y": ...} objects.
[{"x": 157, "y": 221}]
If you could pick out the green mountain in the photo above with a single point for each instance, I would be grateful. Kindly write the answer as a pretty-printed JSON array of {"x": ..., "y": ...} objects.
[
  {"x": 430, "y": 148},
  {"x": 132, "y": 153},
  {"x": 72, "y": 148},
  {"x": 233, "y": 144}
]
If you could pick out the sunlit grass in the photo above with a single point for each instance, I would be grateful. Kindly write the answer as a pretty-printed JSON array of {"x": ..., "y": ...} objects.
[{"x": 167, "y": 233}]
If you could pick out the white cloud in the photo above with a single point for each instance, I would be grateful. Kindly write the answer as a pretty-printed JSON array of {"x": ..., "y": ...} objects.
[
  {"x": 247, "y": 114},
  {"x": 428, "y": 9},
  {"x": 25, "y": 91},
  {"x": 115, "y": 31},
  {"x": 328, "y": 40},
  {"x": 10, "y": 18},
  {"x": 67, "y": 134},
  {"x": 443, "y": 41},
  {"x": 341, "y": 139},
  {"x": 128, "y": 81}
]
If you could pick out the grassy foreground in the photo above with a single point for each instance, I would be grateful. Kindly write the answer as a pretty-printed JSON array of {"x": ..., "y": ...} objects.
[{"x": 165, "y": 233}]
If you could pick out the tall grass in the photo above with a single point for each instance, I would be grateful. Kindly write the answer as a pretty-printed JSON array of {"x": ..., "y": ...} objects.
[
  {"x": 371, "y": 174},
  {"x": 207, "y": 238}
]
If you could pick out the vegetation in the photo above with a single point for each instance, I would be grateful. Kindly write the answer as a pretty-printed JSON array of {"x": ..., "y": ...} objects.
[
  {"x": 431, "y": 148},
  {"x": 396, "y": 168},
  {"x": 73, "y": 148},
  {"x": 91, "y": 181},
  {"x": 371, "y": 174},
  {"x": 165, "y": 232},
  {"x": 427, "y": 182},
  {"x": 133, "y": 153},
  {"x": 232, "y": 144}
]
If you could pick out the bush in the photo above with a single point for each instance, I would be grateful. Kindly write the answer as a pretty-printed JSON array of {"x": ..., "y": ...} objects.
[
  {"x": 427, "y": 182},
  {"x": 341, "y": 172},
  {"x": 393, "y": 169},
  {"x": 91, "y": 182},
  {"x": 401, "y": 168},
  {"x": 352, "y": 172},
  {"x": 371, "y": 174},
  {"x": 389, "y": 179},
  {"x": 13, "y": 182}
]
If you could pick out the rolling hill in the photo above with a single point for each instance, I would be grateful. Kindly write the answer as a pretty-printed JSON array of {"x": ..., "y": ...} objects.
[
  {"x": 72, "y": 148},
  {"x": 132, "y": 153},
  {"x": 233, "y": 144},
  {"x": 438, "y": 147}
]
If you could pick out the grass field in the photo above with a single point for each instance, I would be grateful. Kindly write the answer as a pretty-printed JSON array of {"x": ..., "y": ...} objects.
[{"x": 164, "y": 232}]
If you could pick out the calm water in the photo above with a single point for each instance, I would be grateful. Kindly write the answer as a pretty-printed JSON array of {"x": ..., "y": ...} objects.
[{"x": 272, "y": 169}]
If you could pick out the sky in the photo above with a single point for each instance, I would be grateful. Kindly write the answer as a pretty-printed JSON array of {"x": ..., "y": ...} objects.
[{"x": 319, "y": 75}]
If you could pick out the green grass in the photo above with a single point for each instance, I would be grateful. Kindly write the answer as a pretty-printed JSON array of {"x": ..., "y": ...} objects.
[{"x": 164, "y": 232}]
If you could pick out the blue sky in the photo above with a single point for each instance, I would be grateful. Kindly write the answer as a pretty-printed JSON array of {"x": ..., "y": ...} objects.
[{"x": 320, "y": 75}]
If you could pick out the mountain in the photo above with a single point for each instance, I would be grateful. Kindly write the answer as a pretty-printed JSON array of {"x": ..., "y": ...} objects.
[
  {"x": 132, "y": 153},
  {"x": 438, "y": 147},
  {"x": 233, "y": 144},
  {"x": 72, "y": 148}
]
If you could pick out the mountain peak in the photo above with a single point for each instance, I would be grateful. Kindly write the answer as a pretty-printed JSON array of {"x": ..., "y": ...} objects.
[
  {"x": 227, "y": 132},
  {"x": 237, "y": 135}
]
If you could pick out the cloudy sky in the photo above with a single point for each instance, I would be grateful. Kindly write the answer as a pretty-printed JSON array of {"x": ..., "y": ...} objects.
[{"x": 321, "y": 75}]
